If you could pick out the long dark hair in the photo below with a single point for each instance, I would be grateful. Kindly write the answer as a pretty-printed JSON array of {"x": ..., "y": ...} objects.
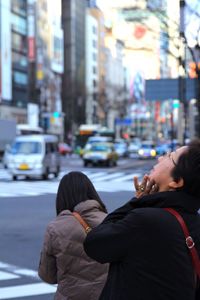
[
  {"x": 75, "y": 187},
  {"x": 188, "y": 168}
]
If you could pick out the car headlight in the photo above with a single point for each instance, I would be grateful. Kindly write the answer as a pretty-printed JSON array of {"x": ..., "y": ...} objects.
[
  {"x": 153, "y": 153},
  {"x": 141, "y": 152}
]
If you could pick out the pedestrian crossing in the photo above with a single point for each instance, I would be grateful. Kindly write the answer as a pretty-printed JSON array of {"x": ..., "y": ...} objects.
[
  {"x": 102, "y": 180},
  {"x": 15, "y": 287}
]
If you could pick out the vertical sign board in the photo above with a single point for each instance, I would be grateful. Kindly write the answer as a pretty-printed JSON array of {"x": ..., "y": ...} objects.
[
  {"x": 6, "y": 58},
  {"x": 0, "y": 51},
  {"x": 57, "y": 49},
  {"x": 31, "y": 30},
  {"x": 33, "y": 114}
]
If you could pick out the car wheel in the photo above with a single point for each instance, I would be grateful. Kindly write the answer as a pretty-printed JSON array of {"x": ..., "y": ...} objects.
[
  {"x": 108, "y": 163},
  {"x": 14, "y": 177},
  {"x": 45, "y": 175},
  {"x": 57, "y": 172}
]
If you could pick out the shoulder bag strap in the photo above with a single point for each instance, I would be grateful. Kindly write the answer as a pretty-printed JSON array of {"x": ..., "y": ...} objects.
[
  {"x": 86, "y": 227},
  {"x": 188, "y": 239}
]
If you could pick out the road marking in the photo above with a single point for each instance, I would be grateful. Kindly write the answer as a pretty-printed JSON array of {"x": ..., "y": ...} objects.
[
  {"x": 7, "y": 276},
  {"x": 109, "y": 176},
  {"x": 102, "y": 180},
  {"x": 27, "y": 272},
  {"x": 19, "y": 271},
  {"x": 127, "y": 177},
  {"x": 33, "y": 289}
]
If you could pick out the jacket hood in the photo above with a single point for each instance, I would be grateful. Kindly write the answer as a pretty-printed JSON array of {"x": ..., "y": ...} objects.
[{"x": 84, "y": 207}]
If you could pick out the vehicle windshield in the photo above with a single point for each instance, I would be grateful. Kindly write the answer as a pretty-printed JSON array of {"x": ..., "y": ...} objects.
[
  {"x": 99, "y": 148},
  {"x": 26, "y": 148},
  {"x": 147, "y": 146}
]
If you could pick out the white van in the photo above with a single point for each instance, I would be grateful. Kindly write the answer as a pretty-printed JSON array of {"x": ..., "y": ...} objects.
[{"x": 33, "y": 156}]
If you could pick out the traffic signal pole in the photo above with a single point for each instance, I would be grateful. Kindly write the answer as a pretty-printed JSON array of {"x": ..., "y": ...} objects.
[{"x": 182, "y": 76}]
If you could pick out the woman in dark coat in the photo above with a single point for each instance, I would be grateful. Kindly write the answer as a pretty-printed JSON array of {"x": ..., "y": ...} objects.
[{"x": 145, "y": 244}]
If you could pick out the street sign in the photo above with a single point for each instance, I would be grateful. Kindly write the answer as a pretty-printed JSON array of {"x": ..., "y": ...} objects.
[
  {"x": 165, "y": 89},
  {"x": 125, "y": 122}
]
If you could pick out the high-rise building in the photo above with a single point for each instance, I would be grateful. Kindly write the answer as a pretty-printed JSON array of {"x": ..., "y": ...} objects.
[
  {"x": 13, "y": 62},
  {"x": 73, "y": 92},
  {"x": 49, "y": 65},
  {"x": 31, "y": 63}
]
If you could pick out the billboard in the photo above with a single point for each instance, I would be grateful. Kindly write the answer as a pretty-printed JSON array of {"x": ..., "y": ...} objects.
[
  {"x": 31, "y": 30},
  {"x": 57, "y": 50},
  {"x": 6, "y": 58}
]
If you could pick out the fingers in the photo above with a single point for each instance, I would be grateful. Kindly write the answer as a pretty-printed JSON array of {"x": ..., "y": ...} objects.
[
  {"x": 146, "y": 187},
  {"x": 136, "y": 183}
]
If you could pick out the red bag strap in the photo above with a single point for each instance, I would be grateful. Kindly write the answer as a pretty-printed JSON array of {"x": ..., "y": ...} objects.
[
  {"x": 188, "y": 239},
  {"x": 86, "y": 227}
]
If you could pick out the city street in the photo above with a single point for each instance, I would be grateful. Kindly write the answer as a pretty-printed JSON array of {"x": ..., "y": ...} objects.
[{"x": 27, "y": 207}]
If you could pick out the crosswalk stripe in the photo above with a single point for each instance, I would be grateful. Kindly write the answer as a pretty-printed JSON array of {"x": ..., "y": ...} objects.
[
  {"x": 102, "y": 180},
  {"x": 109, "y": 176},
  {"x": 127, "y": 177},
  {"x": 33, "y": 289},
  {"x": 7, "y": 276},
  {"x": 92, "y": 176}
]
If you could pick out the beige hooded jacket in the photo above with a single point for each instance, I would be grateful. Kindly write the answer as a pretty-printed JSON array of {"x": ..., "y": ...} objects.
[{"x": 63, "y": 259}]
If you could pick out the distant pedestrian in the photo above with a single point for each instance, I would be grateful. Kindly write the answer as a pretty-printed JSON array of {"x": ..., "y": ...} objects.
[
  {"x": 144, "y": 242},
  {"x": 63, "y": 259}
]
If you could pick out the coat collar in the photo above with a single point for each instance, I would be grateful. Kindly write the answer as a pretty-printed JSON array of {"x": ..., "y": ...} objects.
[
  {"x": 84, "y": 207},
  {"x": 173, "y": 199}
]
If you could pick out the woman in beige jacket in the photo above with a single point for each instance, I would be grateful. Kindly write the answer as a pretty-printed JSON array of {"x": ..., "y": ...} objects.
[{"x": 63, "y": 259}]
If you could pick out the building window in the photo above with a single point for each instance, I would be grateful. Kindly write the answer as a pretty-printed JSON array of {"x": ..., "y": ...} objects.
[
  {"x": 94, "y": 56},
  {"x": 94, "y": 44},
  {"x": 94, "y": 83},
  {"x": 19, "y": 60},
  {"x": 94, "y": 70},
  {"x": 19, "y": 42},
  {"x": 20, "y": 78},
  {"x": 19, "y": 24},
  {"x": 94, "y": 29},
  {"x": 19, "y": 7}
]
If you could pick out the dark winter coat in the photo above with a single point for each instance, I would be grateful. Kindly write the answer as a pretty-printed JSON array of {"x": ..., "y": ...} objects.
[
  {"x": 63, "y": 259},
  {"x": 146, "y": 248}
]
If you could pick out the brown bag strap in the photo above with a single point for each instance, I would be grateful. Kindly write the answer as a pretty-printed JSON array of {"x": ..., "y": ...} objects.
[
  {"x": 188, "y": 240},
  {"x": 86, "y": 227}
]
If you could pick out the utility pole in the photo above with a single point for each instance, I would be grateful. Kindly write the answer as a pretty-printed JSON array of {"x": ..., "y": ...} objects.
[{"x": 182, "y": 79}]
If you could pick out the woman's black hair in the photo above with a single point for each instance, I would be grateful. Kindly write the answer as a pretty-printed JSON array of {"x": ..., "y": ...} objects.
[
  {"x": 188, "y": 168},
  {"x": 75, "y": 187}
]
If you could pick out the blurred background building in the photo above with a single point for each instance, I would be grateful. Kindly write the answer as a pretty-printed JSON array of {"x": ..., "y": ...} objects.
[{"x": 131, "y": 65}]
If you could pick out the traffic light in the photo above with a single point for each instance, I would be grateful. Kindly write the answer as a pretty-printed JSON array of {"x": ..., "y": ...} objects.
[{"x": 56, "y": 114}]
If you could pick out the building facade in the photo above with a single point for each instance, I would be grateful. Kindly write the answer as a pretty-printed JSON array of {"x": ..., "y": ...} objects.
[
  {"x": 73, "y": 91},
  {"x": 14, "y": 60},
  {"x": 31, "y": 63}
]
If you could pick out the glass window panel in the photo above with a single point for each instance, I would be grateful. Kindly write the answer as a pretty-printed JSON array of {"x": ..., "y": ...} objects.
[{"x": 20, "y": 78}]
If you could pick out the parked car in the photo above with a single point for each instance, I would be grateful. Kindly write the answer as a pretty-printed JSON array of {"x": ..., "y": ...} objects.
[
  {"x": 147, "y": 150},
  {"x": 64, "y": 149},
  {"x": 92, "y": 140},
  {"x": 162, "y": 148},
  {"x": 33, "y": 156},
  {"x": 121, "y": 148},
  {"x": 133, "y": 147},
  {"x": 101, "y": 154}
]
